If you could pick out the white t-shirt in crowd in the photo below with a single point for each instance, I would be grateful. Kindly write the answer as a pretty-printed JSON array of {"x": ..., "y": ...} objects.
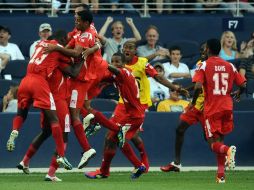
[
  {"x": 32, "y": 48},
  {"x": 170, "y": 68},
  {"x": 158, "y": 90},
  {"x": 12, "y": 50}
]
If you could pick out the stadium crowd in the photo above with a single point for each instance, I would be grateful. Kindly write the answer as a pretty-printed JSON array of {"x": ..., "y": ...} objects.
[{"x": 160, "y": 81}]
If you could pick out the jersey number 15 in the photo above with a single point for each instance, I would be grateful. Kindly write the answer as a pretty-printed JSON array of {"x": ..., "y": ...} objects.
[{"x": 220, "y": 83}]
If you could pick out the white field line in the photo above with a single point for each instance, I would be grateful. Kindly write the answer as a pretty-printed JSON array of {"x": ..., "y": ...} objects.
[{"x": 119, "y": 169}]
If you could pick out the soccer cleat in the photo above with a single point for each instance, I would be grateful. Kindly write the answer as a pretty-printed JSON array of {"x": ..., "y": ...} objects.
[
  {"x": 121, "y": 135},
  {"x": 137, "y": 172},
  {"x": 145, "y": 161},
  {"x": 171, "y": 167},
  {"x": 53, "y": 179},
  {"x": 220, "y": 179},
  {"x": 24, "y": 168},
  {"x": 89, "y": 127},
  {"x": 230, "y": 162},
  {"x": 87, "y": 120},
  {"x": 11, "y": 142},
  {"x": 86, "y": 157},
  {"x": 64, "y": 162},
  {"x": 95, "y": 175}
]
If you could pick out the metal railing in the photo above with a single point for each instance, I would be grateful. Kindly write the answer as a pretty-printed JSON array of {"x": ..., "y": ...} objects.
[{"x": 142, "y": 8}]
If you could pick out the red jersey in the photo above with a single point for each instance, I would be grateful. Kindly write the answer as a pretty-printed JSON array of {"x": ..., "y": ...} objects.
[
  {"x": 44, "y": 64},
  {"x": 58, "y": 83},
  {"x": 128, "y": 89},
  {"x": 91, "y": 66},
  {"x": 217, "y": 77},
  {"x": 73, "y": 35}
]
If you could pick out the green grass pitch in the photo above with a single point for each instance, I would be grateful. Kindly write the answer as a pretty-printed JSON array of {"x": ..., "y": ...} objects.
[{"x": 203, "y": 180}]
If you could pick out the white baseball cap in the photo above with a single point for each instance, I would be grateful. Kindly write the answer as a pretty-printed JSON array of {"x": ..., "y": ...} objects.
[{"x": 45, "y": 26}]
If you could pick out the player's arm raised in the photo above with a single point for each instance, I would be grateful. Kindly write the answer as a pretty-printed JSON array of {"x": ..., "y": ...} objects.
[
  {"x": 164, "y": 81},
  {"x": 113, "y": 69},
  {"x": 76, "y": 52}
]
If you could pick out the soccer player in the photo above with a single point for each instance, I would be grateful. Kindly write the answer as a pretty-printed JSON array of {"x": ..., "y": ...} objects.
[
  {"x": 190, "y": 116},
  {"x": 140, "y": 69},
  {"x": 88, "y": 77},
  {"x": 35, "y": 88},
  {"x": 217, "y": 77},
  {"x": 131, "y": 121},
  {"x": 60, "y": 91}
]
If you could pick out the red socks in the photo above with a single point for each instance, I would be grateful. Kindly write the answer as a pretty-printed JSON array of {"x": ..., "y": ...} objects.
[
  {"x": 29, "y": 154},
  {"x": 130, "y": 154},
  {"x": 80, "y": 134},
  {"x": 104, "y": 121},
  {"x": 221, "y": 165},
  {"x": 83, "y": 112},
  {"x": 58, "y": 137},
  {"x": 17, "y": 122},
  {"x": 219, "y": 148},
  {"x": 54, "y": 165},
  {"x": 143, "y": 154},
  {"x": 108, "y": 155}
]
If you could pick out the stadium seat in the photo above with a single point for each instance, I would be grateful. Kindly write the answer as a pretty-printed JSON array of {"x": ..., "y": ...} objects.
[
  {"x": 25, "y": 48},
  {"x": 250, "y": 86},
  {"x": 185, "y": 83},
  {"x": 5, "y": 85},
  {"x": 103, "y": 104},
  {"x": 244, "y": 105},
  {"x": 14, "y": 3},
  {"x": 17, "y": 69}
]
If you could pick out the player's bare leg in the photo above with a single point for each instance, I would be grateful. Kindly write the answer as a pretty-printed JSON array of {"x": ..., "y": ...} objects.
[
  {"x": 34, "y": 146},
  {"x": 176, "y": 164}
]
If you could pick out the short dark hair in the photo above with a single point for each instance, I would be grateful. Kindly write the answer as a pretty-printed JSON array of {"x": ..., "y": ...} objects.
[
  {"x": 6, "y": 29},
  {"x": 59, "y": 34},
  {"x": 86, "y": 16},
  {"x": 120, "y": 55},
  {"x": 152, "y": 27},
  {"x": 174, "y": 47},
  {"x": 214, "y": 46}
]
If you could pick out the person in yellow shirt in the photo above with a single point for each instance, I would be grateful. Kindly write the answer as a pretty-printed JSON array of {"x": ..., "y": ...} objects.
[
  {"x": 174, "y": 103},
  {"x": 140, "y": 69}
]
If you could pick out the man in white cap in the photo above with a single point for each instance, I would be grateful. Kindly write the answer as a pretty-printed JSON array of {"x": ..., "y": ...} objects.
[{"x": 45, "y": 31}]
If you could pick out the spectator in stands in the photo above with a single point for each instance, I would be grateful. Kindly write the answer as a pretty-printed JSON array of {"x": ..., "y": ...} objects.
[
  {"x": 10, "y": 101},
  {"x": 158, "y": 91},
  {"x": 247, "y": 48},
  {"x": 228, "y": 46},
  {"x": 45, "y": 31},
  {"x": 175, "y": 69},
  {"x": 209, "y": 5},
  {"x": 151, "y": 50},
  {"x": 94, "y": 4},
  {"x": 8, "y": 51},
  {"x": 42, "y": 8},
  {"x": 122, "y": 6},
  {"x": 243, "y": 6},
  {"x": 247, "y": 68},
  {"x": 174, "y": 103},
  {"x": 114, "y": 44},
  {"x": 4, "y": 59}
]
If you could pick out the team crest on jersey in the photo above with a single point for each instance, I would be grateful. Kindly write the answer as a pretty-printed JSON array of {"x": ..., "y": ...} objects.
[
  {"x": 200, "y": 65},
  {"x": 86, "y": 35}
]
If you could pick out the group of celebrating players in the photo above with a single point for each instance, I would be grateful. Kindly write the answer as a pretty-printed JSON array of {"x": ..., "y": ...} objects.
[{"x": 66, "y": 72}]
